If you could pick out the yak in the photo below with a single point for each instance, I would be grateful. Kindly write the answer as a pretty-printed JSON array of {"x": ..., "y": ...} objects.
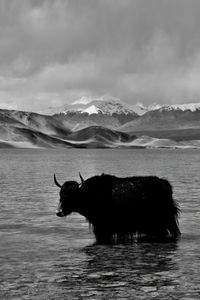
[{"x": 122, "y": 209}]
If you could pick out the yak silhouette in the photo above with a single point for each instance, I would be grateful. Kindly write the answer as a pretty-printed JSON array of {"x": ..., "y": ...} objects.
[{"x": 123, "y": 209}]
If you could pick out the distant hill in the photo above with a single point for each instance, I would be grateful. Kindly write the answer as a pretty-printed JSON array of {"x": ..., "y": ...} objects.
[
  {"x": 101, "y": 136},
  {"x": 94, "y": 131},
  {"x": 27, "y": 129},
  {"x": 164, "y": 118},
  {"x": 42, "y": 123},
  {"x": 163, "y": 126},
  {"x": 27, "y": 138},
  {"x": 19, "y": 128}
]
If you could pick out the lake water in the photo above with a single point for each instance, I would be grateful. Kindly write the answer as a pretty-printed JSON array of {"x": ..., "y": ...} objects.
[{"x": 46, "y": 257}]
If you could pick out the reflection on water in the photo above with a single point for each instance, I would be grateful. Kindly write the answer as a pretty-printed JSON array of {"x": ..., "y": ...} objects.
[
  {"x": 141, "y": 271},
  {"x": 45, "y": 257},
  {"x": 123, "y": 271}
]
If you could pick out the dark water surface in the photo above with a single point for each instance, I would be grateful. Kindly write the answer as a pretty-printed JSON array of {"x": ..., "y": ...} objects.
[{"x": 46, "y": 257}]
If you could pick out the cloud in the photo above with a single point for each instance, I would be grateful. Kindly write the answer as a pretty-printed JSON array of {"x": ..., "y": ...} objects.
[{"x": 54, "y": 51}]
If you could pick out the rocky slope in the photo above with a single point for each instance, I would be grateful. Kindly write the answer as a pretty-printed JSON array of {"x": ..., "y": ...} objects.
[
  {"x": 103, "y": 124},
  {"x": 29, "y": 129}
]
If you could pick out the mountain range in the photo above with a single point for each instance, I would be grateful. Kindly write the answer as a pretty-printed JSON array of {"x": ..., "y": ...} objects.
[
  {"x": 85, "y": 112},
  {"x": 103, "y": 123}
]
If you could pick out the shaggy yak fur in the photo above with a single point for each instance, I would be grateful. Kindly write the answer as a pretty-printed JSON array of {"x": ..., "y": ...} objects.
[{"x": 123, "y": 209}]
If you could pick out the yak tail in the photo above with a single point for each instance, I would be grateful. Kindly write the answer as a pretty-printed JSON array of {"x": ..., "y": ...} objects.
[
  {"x": 174, "y": 228},
  {"x": 173, "y": 225}
]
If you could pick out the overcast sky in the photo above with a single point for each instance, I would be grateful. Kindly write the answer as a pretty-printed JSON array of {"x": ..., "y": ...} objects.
[{"x": 55, "y": 51}]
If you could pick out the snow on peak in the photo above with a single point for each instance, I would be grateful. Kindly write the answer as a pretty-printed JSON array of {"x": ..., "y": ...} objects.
[
  {"x": 91, "y": 110},
  {"x": 174, "y": 107},
  {"x": 113, "y": 107},
  {"x": 110, "y": 105},
  {"x": 183, "y": 107},
  {"x": 102, "y": 105},
  {"x": 141, "y": 109},
  {"x": 154, "y": 106}
]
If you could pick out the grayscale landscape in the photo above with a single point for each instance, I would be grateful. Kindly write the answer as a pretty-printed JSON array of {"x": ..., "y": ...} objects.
[{"x": 99, "y": 149}]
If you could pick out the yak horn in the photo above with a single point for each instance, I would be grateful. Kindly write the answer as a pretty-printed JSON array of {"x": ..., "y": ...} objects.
[
  {"x": 82, "y": 180},
  {"x": 56, "y": 182}
]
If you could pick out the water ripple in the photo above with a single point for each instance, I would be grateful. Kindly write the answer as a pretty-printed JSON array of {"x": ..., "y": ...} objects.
[{"x": 44, "y": 257}]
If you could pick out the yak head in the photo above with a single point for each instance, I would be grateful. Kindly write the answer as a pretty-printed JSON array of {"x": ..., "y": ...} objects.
[{"x": 69, "y": 197}]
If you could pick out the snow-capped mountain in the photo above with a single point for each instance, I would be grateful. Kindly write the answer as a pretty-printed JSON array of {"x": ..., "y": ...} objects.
[
  {"x": 108, "y": 112},
  {"x": 177, "y": 107},
  {"x": 113, "y": 113},
  {"x": 166, "y": 117},
  {"x": 107, "y": 106},
  {"x": 141, "y": 109}
]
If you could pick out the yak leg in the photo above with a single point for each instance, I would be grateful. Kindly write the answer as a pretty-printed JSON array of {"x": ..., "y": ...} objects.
[
  {"x": 153, "y": 228},
  {"x": 103, "y": 235}
]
